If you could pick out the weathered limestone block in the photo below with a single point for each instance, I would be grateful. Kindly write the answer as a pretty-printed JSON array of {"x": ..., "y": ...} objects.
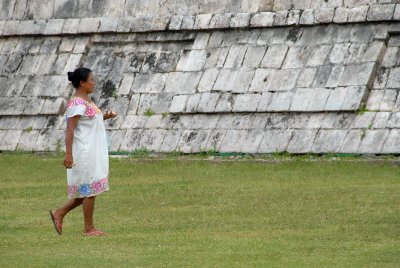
[
  {"x": 381, "y": 12},
  {"x": 240, "y": 20},
  {"x": 27, "y": 140},
  {"x": 159, "y": 23},
  {"x": 381, "y": 119},
  {"x": 225, "y": 81},
  {"x": 235, "y": 56},
  {"x": 264, "y": 101},
  {"x": 284, "y": 80},
  {"x": 396, "y": 15},
  {"x": 215, "y": 57},
  {"x": 357, "y": 14},
  {"x": 157, "y": 103},
  {"x": 242, "y": 80},
  {"x": 353, "y": 99},
  {"x": 394, "y": 78},
  {"x": 188, "y": 22},
  {"x": 72, "y": 63},
  {"x": 388, "y": 100},
  {"x": 351, "y": 141},
  {"x": 53, "y": 106},
  {"x": 375, "y": 99},
  {"x": 341, "y": 15},
  {"x": 306, "y": 77},
  {"x": 274, "y": 56},
  {"x": 151, "y": 139},
  {"x": 154, "y": 121},
  {"x": 11, "y": 27},
  {"x": 225, "y": 103},
  {"x": 131, "y": 140},
  {"x": 201, "y": 40},
  {"x": 324, "y": 15},
  {"x": 254, "y": 56},
  {"x": 2, "y": 26},
  {"x": 262, "y": 19},
  {"x": 115, "y": 138},
  {"x": 336, "y": 99},
  {"x": 363, "y": 120},
  {"x": 232, "y": 141},
  {"x": 301, "y": 99},
  {"x": 208, "y": 102},
  {"x": 192, "y": 61},
  {"x": 182, "y": 82},
  {"x": 293, "y": 17},
  {"x": 297, "y": 57},
  {"x": 215, "y": 139},
  {"x": 394, "y": 120},
  {"x": 372, "y": 136},
  {"x": 307, "y": 17},
  {"x": 329, "y": 141},
  {"x": 108, "y": 25},
  {"x": 192, "y": 103},
  {"x": 54, "y": 26},
  {"x": 9, "y": 139},
  {"x": 275, "y": 140},
  {"x": 392, "y": 142},
  {"x": 171, "y": 140},
  {"x": 337, "y": 120},
  {"x": 193, "y": 141},
  {"x": 126, "y": 84},
  {"x": 220, "y": 21},
  {"x": 390, "y": 57},
  {"x": 208, "y": 79},
  {"x": 175, "y": 22},
  {"x": 338, "y": 53},
  {"x": 251, "y": 142},
  {"x": 280, "y": 101},
  {"x": 71, "y": 26},
  {"x": 301, "y": 141},
  {"x": 202, "y": 21},
  {"x": 14, "y": 106},
  {"x": 50, "y": 45},
  {"x": 31, "y": 27},
  {"x": 134, "y": 121},
  {"x": 280, "y": 18},
  {"x": 355, "y": 75},
  {"x": 246, "y": 102}
]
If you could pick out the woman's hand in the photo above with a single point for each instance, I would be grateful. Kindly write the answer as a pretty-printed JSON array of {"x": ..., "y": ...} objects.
[
  {"x": 109, "y": 115},
  {"x": 68, "y": 161}
]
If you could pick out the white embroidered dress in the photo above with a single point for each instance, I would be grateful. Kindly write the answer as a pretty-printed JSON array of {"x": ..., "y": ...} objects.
[{"x": 89, "y": 175}]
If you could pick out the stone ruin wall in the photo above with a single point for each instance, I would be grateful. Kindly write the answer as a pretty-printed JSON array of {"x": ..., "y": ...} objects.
[{"x": 258, "y": 76}]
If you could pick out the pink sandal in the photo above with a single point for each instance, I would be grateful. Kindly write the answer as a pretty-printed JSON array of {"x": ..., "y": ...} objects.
[
  {"x": 95, "y": 233},
  {"x": 57, "y": 225}
]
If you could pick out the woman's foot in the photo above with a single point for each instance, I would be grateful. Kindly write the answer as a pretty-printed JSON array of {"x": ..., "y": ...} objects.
[
  {"x": 94, "y": 232},
  {"x": 56, "y": 222}
]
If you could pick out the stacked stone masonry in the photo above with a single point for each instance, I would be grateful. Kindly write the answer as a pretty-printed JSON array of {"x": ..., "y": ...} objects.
[{"x": 193, "y": 76}]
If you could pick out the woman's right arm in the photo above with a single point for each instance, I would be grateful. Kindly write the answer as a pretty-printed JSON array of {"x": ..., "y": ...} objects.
[{"x": 69, "y": 139}]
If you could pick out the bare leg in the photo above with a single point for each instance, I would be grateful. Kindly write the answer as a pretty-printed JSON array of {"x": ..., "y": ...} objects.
[
  {"x": 88, "y": 209},
  {"x": 60, "y": 213}
]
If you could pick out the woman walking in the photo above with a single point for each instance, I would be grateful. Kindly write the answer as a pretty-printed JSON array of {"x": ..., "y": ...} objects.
[{"x": 86, "y": 157}]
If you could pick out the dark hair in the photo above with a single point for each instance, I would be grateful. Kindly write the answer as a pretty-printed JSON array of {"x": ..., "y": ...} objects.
[{"x": 80, "y": 74}]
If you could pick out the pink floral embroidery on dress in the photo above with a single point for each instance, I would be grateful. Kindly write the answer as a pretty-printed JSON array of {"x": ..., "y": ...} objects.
[
  {"x": 88, "y": 189},
  {"x": 90, "y": 110}
]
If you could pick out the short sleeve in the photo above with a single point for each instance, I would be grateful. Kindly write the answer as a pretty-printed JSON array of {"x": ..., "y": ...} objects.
[{"x": 75, "y": 107}]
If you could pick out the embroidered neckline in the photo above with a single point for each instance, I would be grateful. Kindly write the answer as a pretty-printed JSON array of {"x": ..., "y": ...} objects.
[{"x": 90, "y": 105}]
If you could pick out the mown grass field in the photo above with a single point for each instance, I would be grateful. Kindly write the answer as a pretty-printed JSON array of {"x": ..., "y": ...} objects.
[{"x": 179, "y": 213}]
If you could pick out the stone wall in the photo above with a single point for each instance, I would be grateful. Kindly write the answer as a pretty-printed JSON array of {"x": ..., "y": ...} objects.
[{"x": 242, "y": 76}]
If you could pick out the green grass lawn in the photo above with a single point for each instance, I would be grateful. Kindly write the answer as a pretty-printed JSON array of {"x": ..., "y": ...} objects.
[{"x": 177, "y": 213}]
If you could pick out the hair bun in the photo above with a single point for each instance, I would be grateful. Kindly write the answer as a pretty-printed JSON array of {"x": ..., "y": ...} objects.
[{"x": 70, "y": 76}]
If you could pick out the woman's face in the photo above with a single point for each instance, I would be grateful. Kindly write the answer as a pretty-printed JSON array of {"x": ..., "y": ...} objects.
[{"x": 89, "y": 84}]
